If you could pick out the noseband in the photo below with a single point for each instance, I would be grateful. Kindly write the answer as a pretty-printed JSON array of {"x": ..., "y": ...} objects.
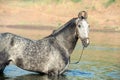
[
  {"x": 77, "y": 34},
  {"x": 84, "y": 39}
]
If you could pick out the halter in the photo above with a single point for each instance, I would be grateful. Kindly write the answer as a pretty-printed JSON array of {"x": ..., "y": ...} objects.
[
  {"x": 77, "y": 34},
  {"x": 82, "y": 48},
  {"x": 79, "y": 57}
]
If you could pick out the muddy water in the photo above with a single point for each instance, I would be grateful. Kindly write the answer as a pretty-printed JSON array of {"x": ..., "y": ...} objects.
[{"x": 99, "y": 62}]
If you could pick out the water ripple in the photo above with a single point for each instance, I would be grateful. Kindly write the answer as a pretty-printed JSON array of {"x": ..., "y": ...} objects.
[{"x": 79, "y": 73}]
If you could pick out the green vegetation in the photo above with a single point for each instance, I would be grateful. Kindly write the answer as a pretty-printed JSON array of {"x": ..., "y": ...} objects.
[
  {"x": 43, "y": 1},
  {"x": 51, "y": 1},
  {"x": 109, "y": 2},
  {"x": 47, "y": 1},
  {"x": 93, "y": 8},
  {"x": 76, "y": 1}
]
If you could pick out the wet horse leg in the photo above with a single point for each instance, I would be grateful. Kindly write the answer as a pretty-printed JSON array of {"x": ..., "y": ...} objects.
[
  {"x": 3, "y": 65},
  {"x": 3, "y": 60}
]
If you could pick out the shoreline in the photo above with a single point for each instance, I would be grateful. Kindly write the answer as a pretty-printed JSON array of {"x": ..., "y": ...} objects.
[{"x": 42, "y": 27}]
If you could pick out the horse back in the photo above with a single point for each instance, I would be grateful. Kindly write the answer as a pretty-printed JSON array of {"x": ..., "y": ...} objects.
[{"x": 12, "y": 44}]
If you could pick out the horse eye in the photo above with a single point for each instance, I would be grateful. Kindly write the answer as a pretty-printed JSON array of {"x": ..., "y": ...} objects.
[{"x": 79, "y": 26}]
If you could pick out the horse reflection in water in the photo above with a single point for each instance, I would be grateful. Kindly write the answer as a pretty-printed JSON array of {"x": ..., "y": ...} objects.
[
  {"x": 49, "y": 55},
  {"x": 42, "y": 77},
  {"x": 36, "y": 77}
]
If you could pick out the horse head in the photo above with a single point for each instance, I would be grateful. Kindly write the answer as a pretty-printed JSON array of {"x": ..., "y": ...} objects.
[{"x": 82, "y": 28}]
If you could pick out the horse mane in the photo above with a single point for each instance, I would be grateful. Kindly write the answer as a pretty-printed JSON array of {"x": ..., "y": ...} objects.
[{"x": 63, "y": 27}]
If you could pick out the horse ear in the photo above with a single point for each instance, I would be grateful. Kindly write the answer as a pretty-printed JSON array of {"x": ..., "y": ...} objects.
[{"x": 82, "y": 15}]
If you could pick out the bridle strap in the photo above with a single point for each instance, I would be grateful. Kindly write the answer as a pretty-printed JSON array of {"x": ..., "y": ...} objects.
[
  {"x": 79, "y": 57},
  {"x": 84, "y": 39}
]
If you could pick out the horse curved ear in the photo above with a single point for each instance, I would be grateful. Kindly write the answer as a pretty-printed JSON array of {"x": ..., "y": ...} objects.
[{"x": 82, "y": 15}]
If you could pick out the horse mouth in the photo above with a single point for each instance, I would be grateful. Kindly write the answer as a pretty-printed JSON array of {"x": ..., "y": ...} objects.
[{"x": 85, "y": 42}]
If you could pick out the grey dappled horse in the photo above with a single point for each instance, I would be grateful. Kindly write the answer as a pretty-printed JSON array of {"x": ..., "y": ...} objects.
[{"x": 49, "y": 55}]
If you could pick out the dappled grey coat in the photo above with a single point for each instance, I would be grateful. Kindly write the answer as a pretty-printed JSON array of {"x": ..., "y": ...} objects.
[{"x": 49, "y": 55}]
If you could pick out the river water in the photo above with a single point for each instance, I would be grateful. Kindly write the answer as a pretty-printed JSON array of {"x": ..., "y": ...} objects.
[
  {"x": 85, "y": 70},
  {"x": 99, "y": 62}
]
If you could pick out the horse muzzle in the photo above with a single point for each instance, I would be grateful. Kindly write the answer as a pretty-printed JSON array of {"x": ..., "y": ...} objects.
[{"x": 85, "y": 42}]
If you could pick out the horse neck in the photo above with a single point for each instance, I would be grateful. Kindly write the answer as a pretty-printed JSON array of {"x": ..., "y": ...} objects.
[{"x": 66, "y": 37}]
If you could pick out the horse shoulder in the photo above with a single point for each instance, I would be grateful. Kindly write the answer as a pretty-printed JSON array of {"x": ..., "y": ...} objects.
[{"x": 60, "y": 55}]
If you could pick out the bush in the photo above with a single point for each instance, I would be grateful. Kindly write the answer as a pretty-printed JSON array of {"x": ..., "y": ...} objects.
[
  {"x": 109, "y": 2},
  {"x": 76, "y": 1}
]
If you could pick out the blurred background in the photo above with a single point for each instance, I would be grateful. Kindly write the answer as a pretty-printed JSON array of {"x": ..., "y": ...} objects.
[
  {"x": 36, "y": 19},
  {"x": 103, "y": 15}
]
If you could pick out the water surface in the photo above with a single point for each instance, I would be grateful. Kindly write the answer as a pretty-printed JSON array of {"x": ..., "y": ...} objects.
[
  {"x": 89, "y": 70},
  {"x": 98, "y": 63}
]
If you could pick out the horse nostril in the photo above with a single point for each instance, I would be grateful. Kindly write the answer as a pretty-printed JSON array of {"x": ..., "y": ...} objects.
[{"x": 85, "y": 42}]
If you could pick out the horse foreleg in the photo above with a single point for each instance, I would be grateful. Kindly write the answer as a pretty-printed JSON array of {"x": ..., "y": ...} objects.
[
  {"x": 53, "y": 72},
  {"x": 3, "y": 65}
]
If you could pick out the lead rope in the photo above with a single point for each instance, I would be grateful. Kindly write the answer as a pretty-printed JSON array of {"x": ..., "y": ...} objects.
[{"x": 79, "y": 57}]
